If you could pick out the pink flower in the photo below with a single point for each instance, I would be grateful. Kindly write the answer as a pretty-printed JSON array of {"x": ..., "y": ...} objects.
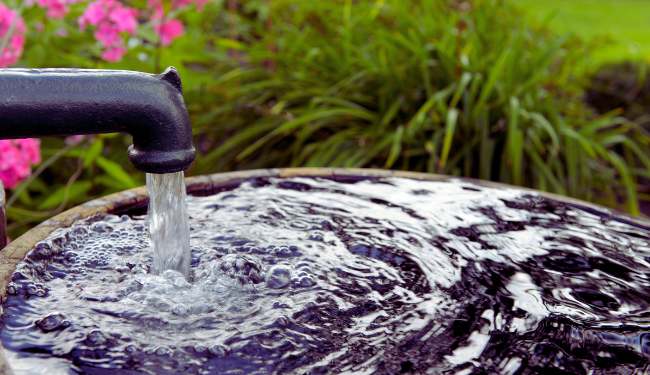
[
  {"x": 157, "y": 7},
  {"x": 94, "y": 14},
  {"x": 56, "y": 8},
  {"x": 30, "y": 147},
  {"x": 108, "y": 35},
  {"x": 111, "y": 20},
  {"x": 113, "y": 54},
  {"x": 16, "y": 159},
  {"x": 12, "y": 24},
  {"x": 183, "y": 3},
  {"x": 124, "y": 19},
  {"x": 169, "y": 30}
]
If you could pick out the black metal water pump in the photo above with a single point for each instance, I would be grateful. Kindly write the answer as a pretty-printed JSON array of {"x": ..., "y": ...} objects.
[{"x": 42, "y": 102}]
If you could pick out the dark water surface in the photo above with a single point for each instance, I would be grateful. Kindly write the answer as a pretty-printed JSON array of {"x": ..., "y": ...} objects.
[{"x": 316, "y": 276}]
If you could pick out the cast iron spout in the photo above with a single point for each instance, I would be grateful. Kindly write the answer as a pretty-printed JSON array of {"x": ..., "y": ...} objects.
[{"x": 42, "y": 102}]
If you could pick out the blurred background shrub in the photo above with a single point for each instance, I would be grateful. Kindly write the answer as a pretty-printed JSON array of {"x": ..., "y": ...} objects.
[{"x": 467, "y": 88}]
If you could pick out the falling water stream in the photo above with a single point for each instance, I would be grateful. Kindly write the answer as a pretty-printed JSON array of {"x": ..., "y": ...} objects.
[
  {"x": 327, "y": 275},
  {"x": 168, "y": 223}
]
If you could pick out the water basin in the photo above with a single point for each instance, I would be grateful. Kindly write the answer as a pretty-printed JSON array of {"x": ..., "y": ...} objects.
[{"x": 334, "y": 271}]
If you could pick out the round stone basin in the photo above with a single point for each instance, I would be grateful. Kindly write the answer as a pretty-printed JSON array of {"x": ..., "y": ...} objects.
[{"x": 334, "y": 271}]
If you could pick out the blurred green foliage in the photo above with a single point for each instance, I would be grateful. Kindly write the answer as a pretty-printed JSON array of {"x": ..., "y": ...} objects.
[
  {"x": 462, "y": 88},
  {"x": 620, "y": 25},
  {"x": 465, "y": 88}
]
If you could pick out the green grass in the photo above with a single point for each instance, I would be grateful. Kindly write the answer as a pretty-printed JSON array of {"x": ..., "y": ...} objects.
[{"x": 623, "y": 26}]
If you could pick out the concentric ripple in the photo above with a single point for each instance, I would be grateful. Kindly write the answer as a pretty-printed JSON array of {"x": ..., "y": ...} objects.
[{"x": 376, "y": 276}]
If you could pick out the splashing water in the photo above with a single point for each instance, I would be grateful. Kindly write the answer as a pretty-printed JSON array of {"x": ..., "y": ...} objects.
[
  {"x": 322, "y": 276},
  {"x": 168, "y": 222}
]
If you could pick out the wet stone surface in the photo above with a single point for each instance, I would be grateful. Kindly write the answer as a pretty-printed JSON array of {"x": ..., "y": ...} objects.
[{"x": 302, "y": 275}]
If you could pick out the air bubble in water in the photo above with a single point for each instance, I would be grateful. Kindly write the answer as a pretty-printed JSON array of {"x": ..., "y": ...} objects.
[
  {"x": 52, "y": 322},
  {"x": 95, "y": 338},
  {"x": 101, "y": 227},
  {"x": 12, "y": 289},
  {"x": 278, "y": 276},
  {"x": 162, "y": 351}
]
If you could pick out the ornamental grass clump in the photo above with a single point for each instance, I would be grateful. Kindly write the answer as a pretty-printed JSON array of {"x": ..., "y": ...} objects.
[{"x": 457, "y": 87}]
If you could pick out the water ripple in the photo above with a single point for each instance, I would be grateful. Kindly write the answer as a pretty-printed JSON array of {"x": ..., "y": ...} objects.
[{"x": 307, "y": 275}]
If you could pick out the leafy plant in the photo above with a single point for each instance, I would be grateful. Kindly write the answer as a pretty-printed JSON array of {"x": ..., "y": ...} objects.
[{"x": 454, "y": 87}]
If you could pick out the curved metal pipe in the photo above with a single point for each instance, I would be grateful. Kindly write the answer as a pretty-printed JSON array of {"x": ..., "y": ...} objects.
[{"x": 42, "y": 102}]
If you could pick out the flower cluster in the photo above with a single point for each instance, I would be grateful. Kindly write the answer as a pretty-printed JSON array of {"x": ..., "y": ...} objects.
[
  {"x": 111, "y": 19},
  {"x": 12, "y": 36},
  {"x": 16, "y": 159},
  {"x": 16, "y": 156},
  {"x": 183, "y": 3}
]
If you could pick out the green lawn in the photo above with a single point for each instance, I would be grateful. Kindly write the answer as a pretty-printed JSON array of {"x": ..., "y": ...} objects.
[{"x": 625, "y": 24}]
